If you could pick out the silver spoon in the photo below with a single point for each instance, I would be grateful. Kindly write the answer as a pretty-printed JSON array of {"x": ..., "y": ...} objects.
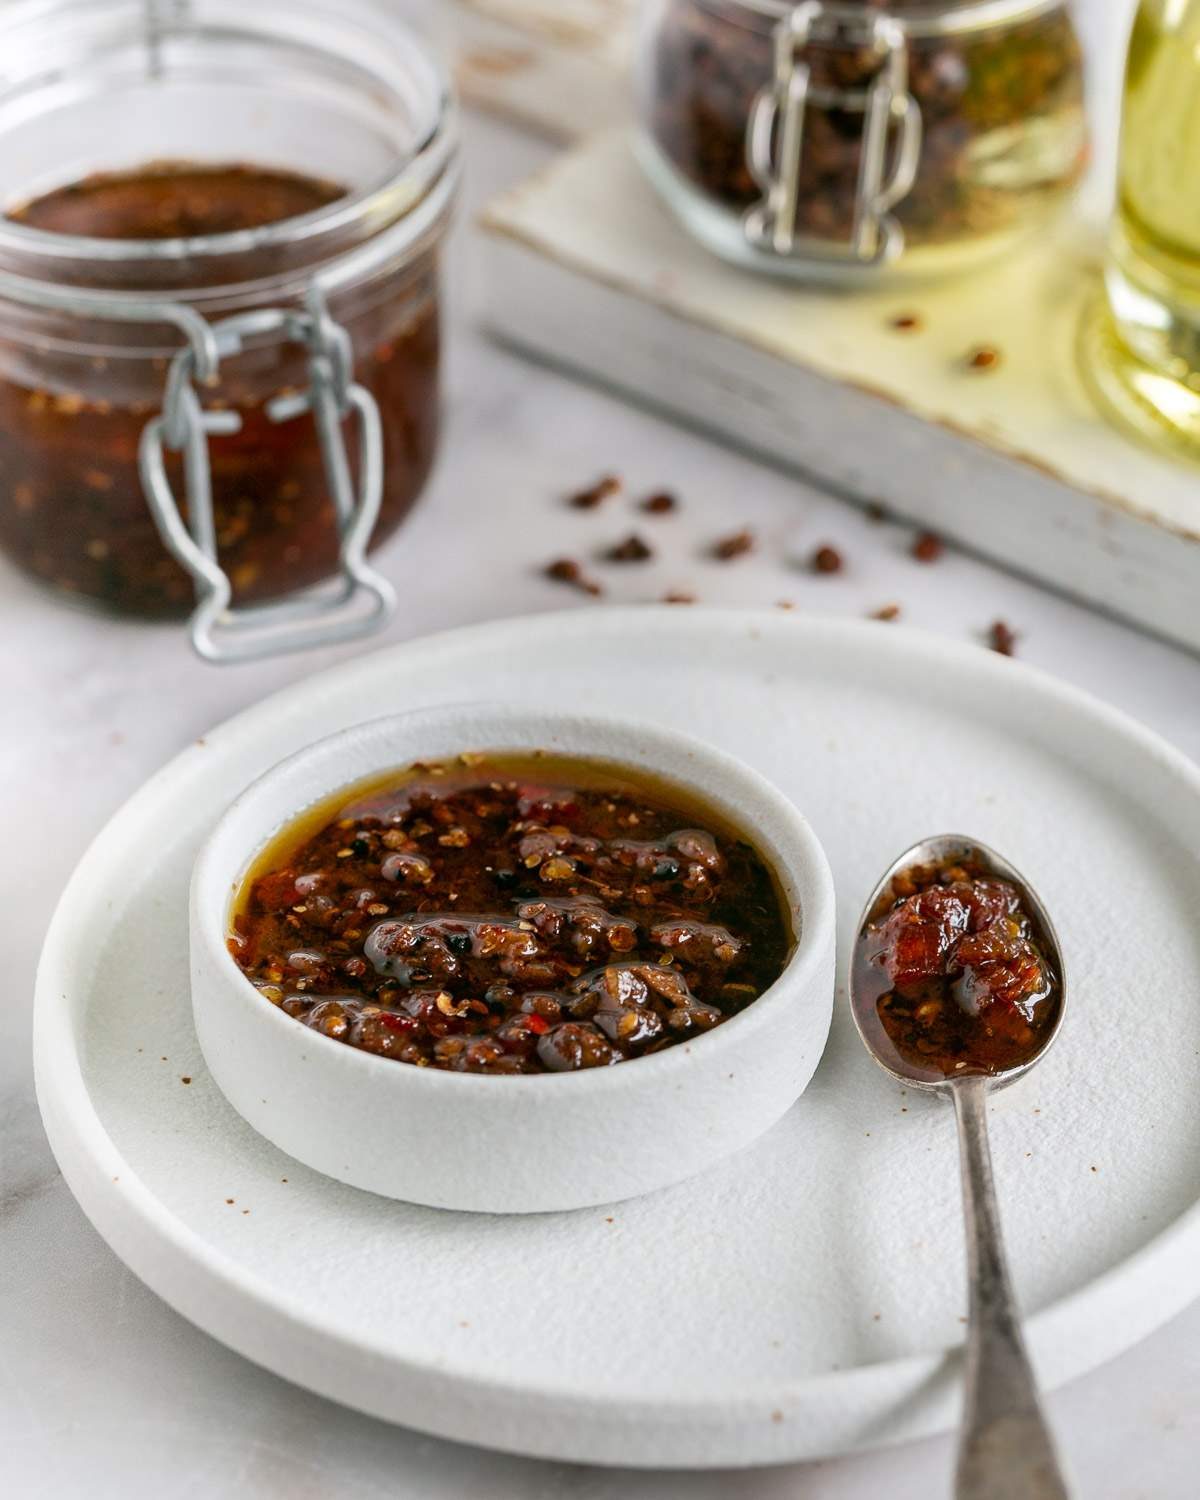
[{"x": 1005, "y": 1446}]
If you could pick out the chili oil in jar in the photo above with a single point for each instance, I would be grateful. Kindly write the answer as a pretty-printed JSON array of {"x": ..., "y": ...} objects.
[
  {"x": 182, "y": 175},
  {"x": 989, "y": 101}
]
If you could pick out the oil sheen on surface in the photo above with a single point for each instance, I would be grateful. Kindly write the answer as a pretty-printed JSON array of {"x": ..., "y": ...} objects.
[
  {"x": 173, "y": 200},
  {"x": 511, "y": 914}
]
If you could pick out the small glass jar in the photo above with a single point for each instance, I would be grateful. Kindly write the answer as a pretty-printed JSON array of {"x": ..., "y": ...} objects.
[
  {"x": 1140, "y": 334},
  {"x": 218, "y": 420},
  {"x": 838, "y": 140}
]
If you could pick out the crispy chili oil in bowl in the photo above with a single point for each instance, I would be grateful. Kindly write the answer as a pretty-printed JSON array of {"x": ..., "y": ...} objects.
[
  {"x": 493, "y": 959},
  {"x": 959, "y": 971},
  {"x": 511, "y": 914}
]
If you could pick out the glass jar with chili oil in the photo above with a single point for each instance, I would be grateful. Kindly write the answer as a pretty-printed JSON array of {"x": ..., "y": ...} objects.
[
  {"x": 219, "y": 309},
  {"x": 843, "y": 139}
]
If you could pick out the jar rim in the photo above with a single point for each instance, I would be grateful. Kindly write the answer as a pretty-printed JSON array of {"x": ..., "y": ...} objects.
[
  {"x": 415, "y": 176},
  {"x": 932, "y": 19}
]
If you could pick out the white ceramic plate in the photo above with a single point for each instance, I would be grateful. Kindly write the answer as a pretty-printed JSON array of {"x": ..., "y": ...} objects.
[{"x": 802, "y": 1298}]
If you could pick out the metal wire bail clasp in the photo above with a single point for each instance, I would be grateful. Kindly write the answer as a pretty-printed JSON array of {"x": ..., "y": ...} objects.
[
  {"x": 360, "y": 599},
  {"x": 891, "y": 129}
]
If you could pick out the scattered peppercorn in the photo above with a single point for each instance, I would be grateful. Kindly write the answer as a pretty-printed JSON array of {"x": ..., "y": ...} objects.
[
  {"x": 733, "y": 546},
  {"x": 659, "y": 504},
  {"x": 983, "y": 358},
  {"x": 597, "y": 493},
  {"x": 927, "y": 547},
  {"x": 876, "y": 512},
  {"x": 678, "y": 597},
  {"x": 827, "y": 560},
  {"x": 567, "y": 570},
  {"x": 907, "y": 323},
  {"x": 1002, "y": 639},
  {"x": 785, "y": 604},
  {"x": 887, "y": 612},
  {"x": 632, "y": 549}
]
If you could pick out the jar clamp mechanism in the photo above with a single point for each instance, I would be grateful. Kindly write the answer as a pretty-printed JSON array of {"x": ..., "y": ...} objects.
[
  {"x": 361, "y": 598},
  {"x": 891, "y": 136}
]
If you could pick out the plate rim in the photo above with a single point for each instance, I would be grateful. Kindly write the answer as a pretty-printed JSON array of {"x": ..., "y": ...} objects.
[{"x": 125, "y": 1210}]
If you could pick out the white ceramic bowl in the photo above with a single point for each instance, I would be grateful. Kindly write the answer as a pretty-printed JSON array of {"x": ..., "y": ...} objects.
[{"x": 524, "y": 1143}]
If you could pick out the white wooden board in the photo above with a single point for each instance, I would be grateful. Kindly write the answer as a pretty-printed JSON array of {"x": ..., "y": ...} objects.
[
  {"x": 559, "y": 66},
  {"x": 588, "y": 269}
]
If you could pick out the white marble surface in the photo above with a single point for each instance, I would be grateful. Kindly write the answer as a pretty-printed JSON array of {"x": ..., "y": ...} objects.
[{"x": 104, "y": 1392}]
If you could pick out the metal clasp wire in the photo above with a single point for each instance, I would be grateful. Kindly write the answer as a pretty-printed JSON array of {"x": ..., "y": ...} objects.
[
  {"x": 361, "y": 599},
  {"x": 775, "y": 136}
]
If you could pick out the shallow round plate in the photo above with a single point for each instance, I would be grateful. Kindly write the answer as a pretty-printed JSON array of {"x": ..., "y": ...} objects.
[{"x": 804, "y": 1297}]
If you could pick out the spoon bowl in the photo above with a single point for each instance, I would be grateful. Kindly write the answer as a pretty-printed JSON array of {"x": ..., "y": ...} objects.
[
  {"x": 1005, "y": 1447},
  {"x": 939, "y": 851}
]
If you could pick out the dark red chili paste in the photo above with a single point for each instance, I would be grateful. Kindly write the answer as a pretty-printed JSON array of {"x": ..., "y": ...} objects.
[
  {"x": 512, "y": 915},
  {"x": 72, "y": 511},
  {"x": 959, "y": 971}
]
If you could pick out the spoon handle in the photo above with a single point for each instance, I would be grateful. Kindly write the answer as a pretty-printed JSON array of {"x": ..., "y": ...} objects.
[{"x": 1005, "y": 1447}]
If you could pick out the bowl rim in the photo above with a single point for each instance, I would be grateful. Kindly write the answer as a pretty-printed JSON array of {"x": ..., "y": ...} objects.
[{"x": 812, "y": 908}]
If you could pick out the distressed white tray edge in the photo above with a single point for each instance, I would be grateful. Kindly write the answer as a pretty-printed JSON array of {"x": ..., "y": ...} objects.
[{"x": 975, "y": 487}]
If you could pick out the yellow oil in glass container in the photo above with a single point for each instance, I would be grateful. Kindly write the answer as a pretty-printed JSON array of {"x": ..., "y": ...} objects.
[{"x": 1141, "y": 341}]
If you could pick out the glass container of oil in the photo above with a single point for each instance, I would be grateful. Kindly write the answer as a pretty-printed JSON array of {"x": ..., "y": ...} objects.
[
  {"x": 1140, "y": 341},
  {"x": 854, "y": 140}
]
